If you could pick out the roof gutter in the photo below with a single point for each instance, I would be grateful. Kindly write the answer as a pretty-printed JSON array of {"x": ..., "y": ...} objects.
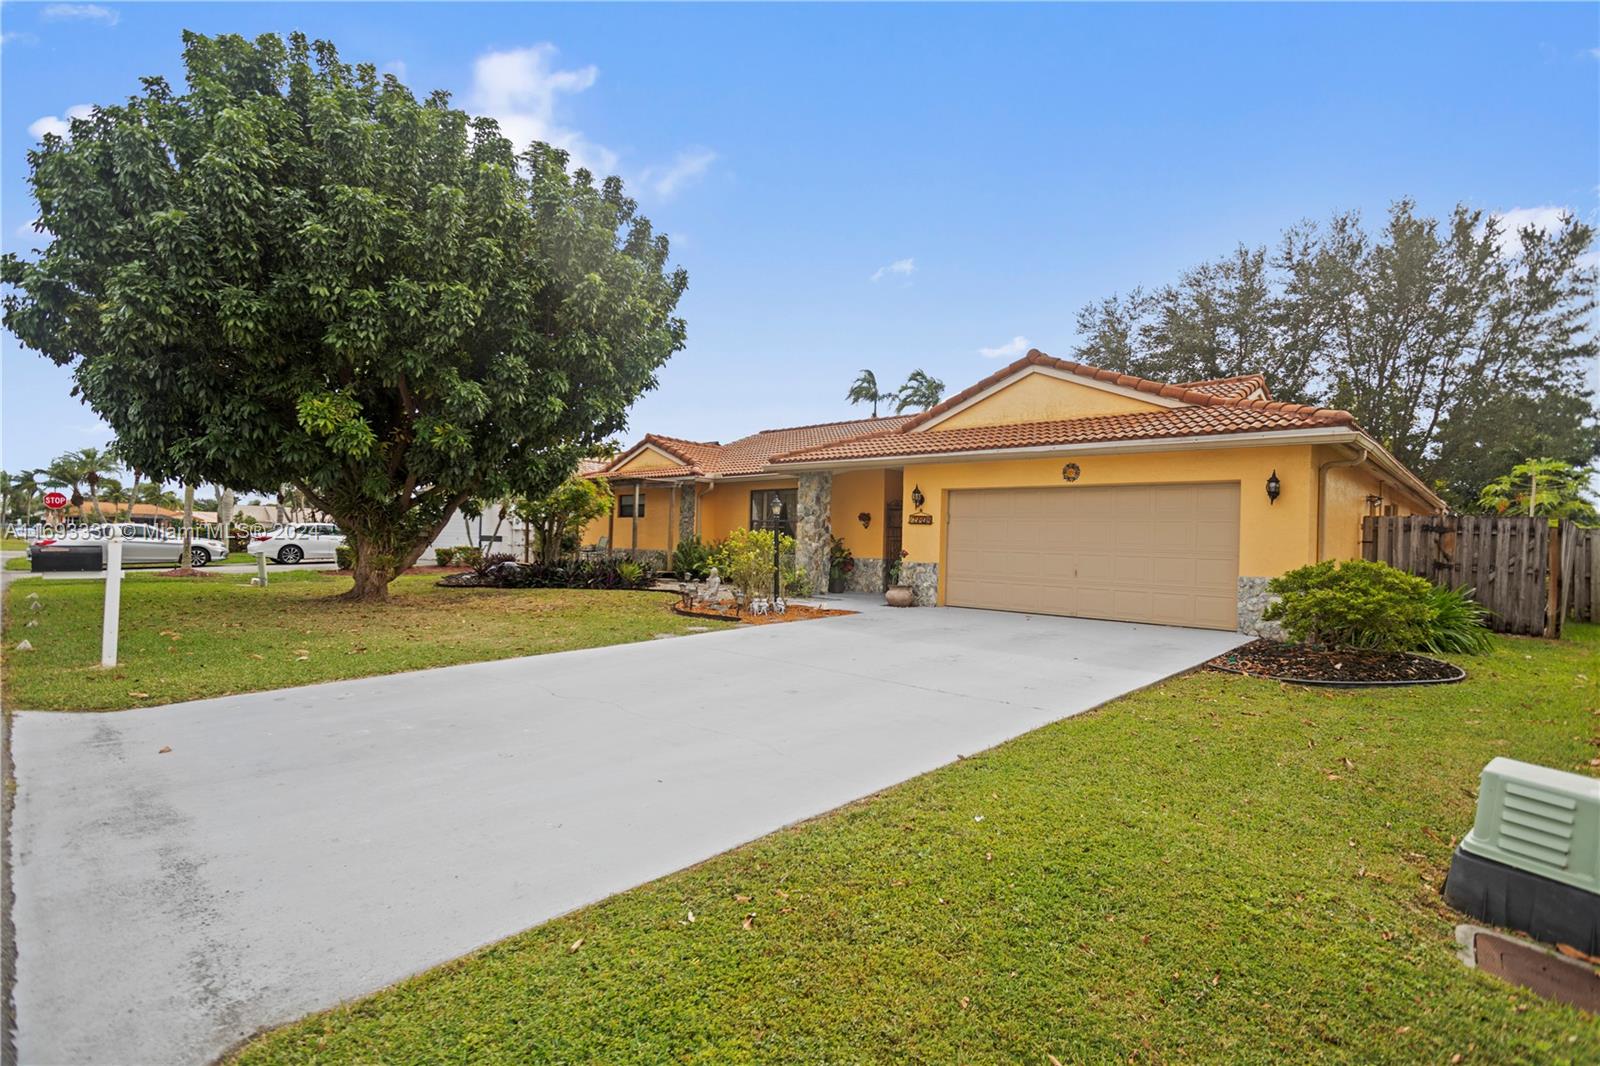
[{"x": 1330, "y": 435}]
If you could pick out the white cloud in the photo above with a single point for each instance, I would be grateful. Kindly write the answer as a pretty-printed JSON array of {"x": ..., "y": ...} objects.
[
  {"x": 56, "y": 124},
  {"x": 17, "y": 37},
  {"x": 27, "y": 232},
  {"x": 688, "y": 166},
  {"x": 903, "y": 267},
  {"x": 397, "y": 67},
  {"x": 1011, "y": 349},
  {"x": 521, "y": 88},
  {"x": 79, "y": 12},
  {"x": 1546, "y": 219},
  {"x": 524, "y": 90}
]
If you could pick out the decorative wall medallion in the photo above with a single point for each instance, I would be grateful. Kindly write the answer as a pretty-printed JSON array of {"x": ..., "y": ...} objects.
[{"x": 1071, "y": 472}]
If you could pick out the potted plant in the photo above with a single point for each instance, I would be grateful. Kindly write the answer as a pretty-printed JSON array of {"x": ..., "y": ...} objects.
[
  {"x": 899, "y": 595},
  {"x": 840, "y": 564}
]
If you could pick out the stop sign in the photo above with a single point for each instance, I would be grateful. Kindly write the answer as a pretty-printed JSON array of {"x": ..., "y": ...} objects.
[{"x": 55, "y": 500}]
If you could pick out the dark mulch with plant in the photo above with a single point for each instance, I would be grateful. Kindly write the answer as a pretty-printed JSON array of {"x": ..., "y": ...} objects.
[{"x": 1314, "y": 665}]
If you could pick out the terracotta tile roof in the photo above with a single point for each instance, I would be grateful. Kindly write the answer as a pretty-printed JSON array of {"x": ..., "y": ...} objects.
[
  {"x": 750, "y": 455},
  {"x": 1181, "y": 393},
  {"x": 1237, "y": 388},
  {"x": 1198, "y": 420}
]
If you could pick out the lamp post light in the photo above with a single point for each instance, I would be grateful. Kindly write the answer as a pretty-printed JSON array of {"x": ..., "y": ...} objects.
[{"x": 777, "y": 533}]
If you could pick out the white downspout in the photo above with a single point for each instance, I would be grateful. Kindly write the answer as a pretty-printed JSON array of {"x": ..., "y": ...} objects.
[{"x": 1322, "y": 496}]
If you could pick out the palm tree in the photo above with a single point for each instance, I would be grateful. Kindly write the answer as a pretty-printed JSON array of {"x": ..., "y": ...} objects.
[
  {"x": 920, "y": 390},
  {"x": 83, "y": 467},
  {"x": 865, "y": 390}
]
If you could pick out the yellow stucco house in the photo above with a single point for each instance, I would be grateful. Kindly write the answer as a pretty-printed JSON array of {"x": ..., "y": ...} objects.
[{"x": 1049, "y": 487}]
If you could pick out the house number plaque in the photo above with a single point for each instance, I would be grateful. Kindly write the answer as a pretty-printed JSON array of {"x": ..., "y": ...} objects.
[{"x": 919, "y": 519}]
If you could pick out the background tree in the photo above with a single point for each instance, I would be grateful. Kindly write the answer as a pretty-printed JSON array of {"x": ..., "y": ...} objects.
[
  {"x": 865, "y": 390},
  {"x": 920, "y": 391},
  {"x": 561, "y": 513},
  {"x": 1546, "y": 487},
  {"x": 1460, "y": 348},
  {"x": 296, "y": 271}
]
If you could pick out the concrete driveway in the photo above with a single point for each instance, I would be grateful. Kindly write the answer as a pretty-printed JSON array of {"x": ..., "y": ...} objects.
[{"x": 301, "y": 847}]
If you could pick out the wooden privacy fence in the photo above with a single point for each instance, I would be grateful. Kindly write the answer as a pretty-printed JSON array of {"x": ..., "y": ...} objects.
[{"x": 1529, "y": 575}]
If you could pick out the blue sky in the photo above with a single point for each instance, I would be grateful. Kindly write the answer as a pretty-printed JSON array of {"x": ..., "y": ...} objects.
[{"x": 905, "y": 186}]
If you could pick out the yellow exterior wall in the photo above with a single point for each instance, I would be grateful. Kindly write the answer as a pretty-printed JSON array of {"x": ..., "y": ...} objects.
[
  {"x": 1042, "y": 398},
  {"x": 855, "y": 491},
  {"x": 658, "y": 518},
  {"x": 1273, "y": 537},
  {"x": 727, "y": 506},
  {"x": 649, "y": 459},
  {"x": 1345, "y": 493}
]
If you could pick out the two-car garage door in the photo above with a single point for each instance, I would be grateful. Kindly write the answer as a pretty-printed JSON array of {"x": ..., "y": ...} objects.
[{"x": 1135, "y": 553}]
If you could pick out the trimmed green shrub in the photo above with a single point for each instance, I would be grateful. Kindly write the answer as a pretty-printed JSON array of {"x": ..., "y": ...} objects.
[
  {"x": 1460, "y": 623},
  {"x": 572, "y": 574},
  {"x": 345, "y": 556},
  {"x": 1354, "y": 604},
  {"x": 691, "y": 559},
  {"x": 444, "y": 556}
]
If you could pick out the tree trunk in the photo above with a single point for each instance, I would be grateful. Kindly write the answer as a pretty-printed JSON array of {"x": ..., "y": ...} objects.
[
  {"x": 186, "y": 559},
  {"x": 372, "y": 575}
]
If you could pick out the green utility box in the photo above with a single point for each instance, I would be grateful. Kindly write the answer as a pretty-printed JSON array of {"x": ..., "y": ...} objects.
[
  {"x": 1541, "y": 820},
  {"x": 1532, "y": 859}
]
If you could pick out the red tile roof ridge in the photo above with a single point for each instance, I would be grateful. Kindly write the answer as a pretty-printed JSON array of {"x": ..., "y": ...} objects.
[
  {"x": 897, "y": 419},
  {"x": 1127, "y": 381}
]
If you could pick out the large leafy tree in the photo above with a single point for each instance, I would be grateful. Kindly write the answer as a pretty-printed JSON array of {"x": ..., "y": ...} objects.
[
  {"x": 1542, "y": 487},
  {"x": 560, "y": 514},
  {"x": 296, "y": 272},
  {"x": 1461, "y": 347}
]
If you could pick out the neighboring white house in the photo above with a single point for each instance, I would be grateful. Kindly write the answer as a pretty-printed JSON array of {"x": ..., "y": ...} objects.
[{"x": 493, "y": 531}]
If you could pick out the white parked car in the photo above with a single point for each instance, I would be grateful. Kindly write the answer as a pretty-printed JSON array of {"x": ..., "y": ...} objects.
[
  {"x": 142, "y": 544},
  {"x": 304, "y": 542}
]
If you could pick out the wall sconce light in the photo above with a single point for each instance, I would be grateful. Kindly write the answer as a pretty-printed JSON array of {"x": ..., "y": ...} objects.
[
  {"x": 865, "y": 519},
  {"x": 1274, "y": 487},
  {"x": 917, "y": 497}
]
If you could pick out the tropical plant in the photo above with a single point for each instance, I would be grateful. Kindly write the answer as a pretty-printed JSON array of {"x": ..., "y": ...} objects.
[
  {"x": 841, "y": 560},
  {"x": 865, "y": 390},
  {"x": 919, "y": 391},
  {"x": 296, "y": 271},
  {"x": 630, "y": 573},
  {"x": 1355, "y": 604},
  {"x": 566, "y": 574},
  {"x": 1546, "y": 487},
  {"x": 1459, "y": 625},
  {"x": 558, "y": 517},
  {"x": 691, "y": 559},
  {"x": 897, "y": 566},
  {"x": 744, "y": 560}
]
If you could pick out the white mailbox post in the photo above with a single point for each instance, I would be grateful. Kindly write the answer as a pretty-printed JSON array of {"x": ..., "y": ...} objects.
[{"x": 113, "y": 611}]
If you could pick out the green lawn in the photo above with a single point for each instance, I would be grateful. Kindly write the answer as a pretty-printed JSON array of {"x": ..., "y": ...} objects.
[
  {"x": 186, "y": 638},
  {"x": 13, "y": 544},
  {"x": 18, "y": 563},
  {"x": 1216, "y": 869}
]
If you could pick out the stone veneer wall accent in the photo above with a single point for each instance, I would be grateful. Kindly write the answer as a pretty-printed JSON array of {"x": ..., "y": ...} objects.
[
  {"x": 924, "y": 581},
  {"x": 814, "y": 526},
  {"x": 654, "y": 558},
  {"x": 686, "y": 512},
  {"x": 1253, "y": 602},
  {"x": 866, "y": 577}
]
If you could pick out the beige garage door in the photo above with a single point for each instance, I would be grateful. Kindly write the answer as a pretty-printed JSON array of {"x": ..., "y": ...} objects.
[{"x": 1134, "y": 553}]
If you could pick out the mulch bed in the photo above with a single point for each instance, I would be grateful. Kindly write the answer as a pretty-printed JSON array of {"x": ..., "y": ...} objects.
[
  {"x": 796, "y": 613},
  {"x": 1305, "y": 664},
  {"x": 184, "y": 571},
  {"x": 415, "y": 570}
]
